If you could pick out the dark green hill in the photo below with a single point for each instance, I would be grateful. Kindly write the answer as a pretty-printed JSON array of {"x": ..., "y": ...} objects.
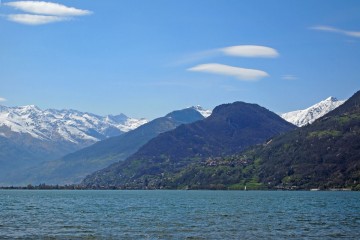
[
  {"x": 230, "y": 129},
  {"x": 325, "y": 155},
  {"x": 73, "y": 167}
]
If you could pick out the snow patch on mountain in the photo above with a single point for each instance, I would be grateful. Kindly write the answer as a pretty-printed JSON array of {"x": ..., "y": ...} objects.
[
  {"x": 63, "y": 125},
  {"x": 307, "y": 116},
  {"x": 206, "y": 113}
]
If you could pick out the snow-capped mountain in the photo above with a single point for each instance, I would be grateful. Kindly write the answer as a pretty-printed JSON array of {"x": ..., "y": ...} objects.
[
  {"x": 30, "y": 137},
  {"x": 63, "y": 125},
  {"x": 206, "y": 113},
  {"x": 307, "y": 116}
]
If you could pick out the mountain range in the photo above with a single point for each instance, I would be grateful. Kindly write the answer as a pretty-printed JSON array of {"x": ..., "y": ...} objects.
[
  {"x": 75, "y": 127},
  {"x": 29, "y": 135},
  {"x": 31, "y": 139},
  {"x": 323, "y": 155},
  {"x": 73, "y": 167},
  {"x": 230, "y": 129}
]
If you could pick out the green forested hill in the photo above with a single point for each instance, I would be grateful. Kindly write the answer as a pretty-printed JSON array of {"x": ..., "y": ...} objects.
[
  {"x": 323, "y": 155},
  {"x": 230, "y": 129}
]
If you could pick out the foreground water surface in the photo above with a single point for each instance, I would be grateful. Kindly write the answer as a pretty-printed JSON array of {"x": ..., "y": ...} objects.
[{"x": 65, "y": 214}]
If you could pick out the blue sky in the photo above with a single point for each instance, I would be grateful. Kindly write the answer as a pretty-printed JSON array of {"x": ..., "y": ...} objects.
[{"x": 147, "y": 58}]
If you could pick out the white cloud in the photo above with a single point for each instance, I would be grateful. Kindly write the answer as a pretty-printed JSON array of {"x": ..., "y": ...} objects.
[
  {"x": 289, "y": 77},
  {"x": 337, "y": 30},
  {"x": 31, "y": 19},
  {"x": 239, "y": 73},
  {"x": 2, "y": 99},
  {"x": 250, "y": 51},
  {"x": 40, "y": 12},
  {"x": 47, "y": 8}
]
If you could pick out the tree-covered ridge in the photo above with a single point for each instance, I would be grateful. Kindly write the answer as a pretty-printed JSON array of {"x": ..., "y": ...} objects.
[
  {"x": 230, "y": 129},
  {"x": 324, "y": 155}
]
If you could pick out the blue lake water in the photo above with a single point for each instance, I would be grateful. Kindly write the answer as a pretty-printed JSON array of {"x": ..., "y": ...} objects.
[{"x": 179, "y": 215}]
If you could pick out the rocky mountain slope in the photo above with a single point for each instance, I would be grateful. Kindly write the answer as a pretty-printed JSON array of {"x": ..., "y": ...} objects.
[{"x": 307, "y": 116}]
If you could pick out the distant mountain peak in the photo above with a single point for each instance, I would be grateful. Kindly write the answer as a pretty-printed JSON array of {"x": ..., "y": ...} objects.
[
  {"x": 65, "y": 125},
  {"x": 28, "y": 108},
  {"x": 31, "y": 106},
  {"x": 309, "y": 115},
  {"x": 205, "y": 112},
  {"x": 332, "y": 99},
  {"x": 184, "y": 115},
  {"x": 118, "y": 118}
]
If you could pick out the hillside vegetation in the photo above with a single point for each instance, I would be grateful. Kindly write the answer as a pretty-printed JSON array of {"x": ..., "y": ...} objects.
[
  {"x": 324, "y": 155},
  {"x": 230, "y": 129}
]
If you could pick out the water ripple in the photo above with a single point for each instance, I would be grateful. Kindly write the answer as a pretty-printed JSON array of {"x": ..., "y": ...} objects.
[{"x": 178, "y": 215}]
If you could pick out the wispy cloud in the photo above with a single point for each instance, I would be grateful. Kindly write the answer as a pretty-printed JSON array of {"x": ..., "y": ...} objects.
[
  {"x": 40, "y": 12},
  {"x": 289, "y": 77},
  {"x": 237, "y": 72},
  {"x": 31, "y": 19},
  {"x": 2, "y": 99},
  {"x": 249, "y": 51},
  {"x": 47, "y": 8},
  {"x": 337, "y": 30}
]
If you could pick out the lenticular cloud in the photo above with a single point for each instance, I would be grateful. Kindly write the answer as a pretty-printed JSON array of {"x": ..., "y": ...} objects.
[
  {"x": 250, "y": 51},
  {"x": 31, "y": 19},
  {"x": 40, "y": 12},
  {"x": 47, "y": 8},
  {"x": 237, "y": 72}
]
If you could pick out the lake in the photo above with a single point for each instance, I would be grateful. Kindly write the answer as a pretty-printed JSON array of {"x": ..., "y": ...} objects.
[{"x": 55, "y": 214}]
